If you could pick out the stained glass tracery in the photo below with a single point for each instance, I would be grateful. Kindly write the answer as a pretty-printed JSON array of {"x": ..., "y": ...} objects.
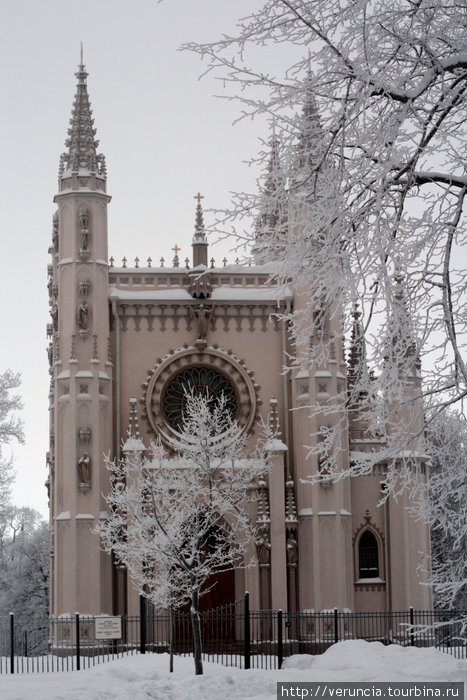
[{"x": 205, "y": 380}]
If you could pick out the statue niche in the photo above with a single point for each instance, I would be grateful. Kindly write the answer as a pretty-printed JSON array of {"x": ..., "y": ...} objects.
[
  {"x": 55, "y": 232},
  {"x": 82, "y": 316},
  {"x": 84, "y": 226},
  {"x": 84, "y": 472},
  {"x": 202, "y": 315},
  {"x": 54, "y": 314}
]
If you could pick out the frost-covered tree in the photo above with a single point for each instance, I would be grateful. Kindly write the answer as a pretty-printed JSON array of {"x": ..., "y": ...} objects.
[
  {"x": 446, "y": 509},
  {"x": 174, "y": 522},
  {"x": 24, "y": 566},
  {"x": 364, "y": 196},
  {"x": 11, "y": 428}
]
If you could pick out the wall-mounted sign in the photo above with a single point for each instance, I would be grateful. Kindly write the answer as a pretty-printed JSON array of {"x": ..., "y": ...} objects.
[{"x": 108, "y": 627}]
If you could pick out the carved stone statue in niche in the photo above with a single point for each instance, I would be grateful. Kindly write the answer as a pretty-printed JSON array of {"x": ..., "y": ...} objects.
[
  {"x": 202, "y": 314},
  {"x": 82, "y": 316},
  {"x": 292, "y": 550},
  {"x": 55, "y": 232},
  {"x": 50, "y": 354},
  {"x": 84, "y": 469},
  {"x": 264, "y": 551},
  {"x": 84, "y": 228},
  {"x": 54, "y": 314}
]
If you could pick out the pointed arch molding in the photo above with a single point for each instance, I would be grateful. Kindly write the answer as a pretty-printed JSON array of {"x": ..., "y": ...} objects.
[
  {"x": 225, "y": 362},
  {"x": 368, "y": 526}
]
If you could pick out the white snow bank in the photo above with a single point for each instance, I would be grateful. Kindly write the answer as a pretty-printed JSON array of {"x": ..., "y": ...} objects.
[{"x": 147, "y": 677}]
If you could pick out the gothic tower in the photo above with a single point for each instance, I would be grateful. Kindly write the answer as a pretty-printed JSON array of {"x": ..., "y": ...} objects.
[{"x": 81, "y": 370}]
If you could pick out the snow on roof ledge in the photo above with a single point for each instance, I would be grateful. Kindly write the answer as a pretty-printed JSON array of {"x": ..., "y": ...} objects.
[
  {"x": 260, "y": 294},
  {"x": 275, "y": 445},
  {"x": 252, "y": 294},
  {"x": 149, "y": 295},
  {"x": 64, "y": 515}
]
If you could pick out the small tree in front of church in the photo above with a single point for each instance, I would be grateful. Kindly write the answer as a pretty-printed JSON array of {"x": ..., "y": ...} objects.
[{"x": 175, "y": 522}]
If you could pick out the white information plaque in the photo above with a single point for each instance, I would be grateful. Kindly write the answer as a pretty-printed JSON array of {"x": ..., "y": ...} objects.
[{"x": 108, "y": 627}]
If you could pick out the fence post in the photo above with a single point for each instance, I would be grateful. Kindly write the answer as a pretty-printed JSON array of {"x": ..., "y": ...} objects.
[
  {"x": 78, "y": 650},
  {"x": 12, "y": 642},
  {"x": 280, "y": 651},
  {"x": 142, "y": 624},
  {"x": 171, "y": 638},
  {"x": 412, "y": 633},
  {"x": 336, "y": 626},
  {"x": 247, "y": 653}
]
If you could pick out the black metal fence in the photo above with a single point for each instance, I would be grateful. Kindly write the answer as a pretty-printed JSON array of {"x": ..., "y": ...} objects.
[{"x": 232, "y": 635}]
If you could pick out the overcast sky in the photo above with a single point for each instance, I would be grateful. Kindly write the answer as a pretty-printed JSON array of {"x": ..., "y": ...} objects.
[{"x": 164, "y": 134}]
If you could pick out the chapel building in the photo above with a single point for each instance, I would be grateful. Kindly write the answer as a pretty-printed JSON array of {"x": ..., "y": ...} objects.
[{"x": 124, "y": 340}]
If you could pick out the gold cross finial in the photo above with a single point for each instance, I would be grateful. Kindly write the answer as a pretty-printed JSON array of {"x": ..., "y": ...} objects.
[
  {"x": 176, "y": 249},
  {"x": 199, "y": 197}
]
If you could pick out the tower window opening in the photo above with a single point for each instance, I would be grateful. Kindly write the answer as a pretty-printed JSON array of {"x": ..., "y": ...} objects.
[{"x": 368, "y": 556}]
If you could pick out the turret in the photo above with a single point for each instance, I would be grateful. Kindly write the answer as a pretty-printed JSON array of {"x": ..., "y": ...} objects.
[
  {"x": 310, "y": 139},
  {"x": 81, "y": 414},
  {"x": 200, "y": 242},
  {"x": 271, "y": 224}
]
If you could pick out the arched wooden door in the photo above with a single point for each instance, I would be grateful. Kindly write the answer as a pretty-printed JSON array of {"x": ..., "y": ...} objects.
[{"x": 220, "y": 589}]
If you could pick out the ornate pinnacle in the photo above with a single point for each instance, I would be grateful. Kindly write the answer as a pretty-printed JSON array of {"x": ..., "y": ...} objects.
[
  {"x": 274, "y": 418},
  {"x": 355, "y": 355},
  {"x": 290, "y": 506},
  {"x": 134, "y": 443},
  {"x": 176, "y": 260},
  {"x": 399, "y": 278},
  {"x": 263, "y": 515},
  {"x": 401, "y": 322},
  {"x": 271, "y": 222},
  {"x": 199, "y": 243},
  {"x": 357, "y": 367},
  {"x": 81, "y": 144},
  {"x": 133, "y": 425},
  {"x": 310, "y": 136},
  {"x": 200, "y": 234},
  {"x": 73, "y": 348}
]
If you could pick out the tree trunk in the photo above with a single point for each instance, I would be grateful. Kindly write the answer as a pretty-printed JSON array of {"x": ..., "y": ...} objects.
[
  {"x": 196, "y": 627},
  {"x": 171, "y": 638}
]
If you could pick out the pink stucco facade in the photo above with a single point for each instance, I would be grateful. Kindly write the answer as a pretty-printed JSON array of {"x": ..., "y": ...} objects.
[{"x": 117, "y": 333}]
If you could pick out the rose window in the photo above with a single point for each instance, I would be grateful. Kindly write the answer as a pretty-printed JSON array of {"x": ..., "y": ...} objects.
[{"x": 202, "y": 380}]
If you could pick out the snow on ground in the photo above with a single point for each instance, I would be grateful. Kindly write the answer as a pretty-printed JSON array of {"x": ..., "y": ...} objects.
[{"x": 147, "y": 677}]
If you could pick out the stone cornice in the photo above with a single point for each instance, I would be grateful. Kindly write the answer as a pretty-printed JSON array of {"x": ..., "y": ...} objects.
[{"x": 255, "y": 316}]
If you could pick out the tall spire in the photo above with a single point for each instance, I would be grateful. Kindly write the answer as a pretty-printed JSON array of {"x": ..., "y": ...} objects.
[
  {"x": 81, "y": 144},
  {"x": 310, "y": 135},
  {"x": 272, "y": 219},
  {"x": 401, "y": 342},
  {"x": 199, "y": 242},
  {"x": 357, "y": 356}
]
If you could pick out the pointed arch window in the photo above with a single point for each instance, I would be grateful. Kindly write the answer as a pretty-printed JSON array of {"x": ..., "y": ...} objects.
[{"x": 368, "y": 556}]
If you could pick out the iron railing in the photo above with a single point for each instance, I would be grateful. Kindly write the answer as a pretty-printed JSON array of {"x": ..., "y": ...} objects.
[{"x": 232, "y": 635}]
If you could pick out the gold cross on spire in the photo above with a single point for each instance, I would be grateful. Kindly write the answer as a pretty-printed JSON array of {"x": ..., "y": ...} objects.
[
  {"x": 199, "y": 197},
  {"x": 176, "y": 249}
]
